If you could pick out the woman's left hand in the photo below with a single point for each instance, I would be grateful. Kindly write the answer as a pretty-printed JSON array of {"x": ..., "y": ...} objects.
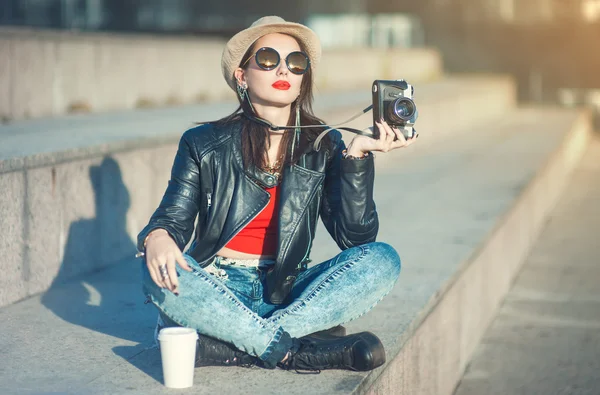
[{"x": 363, "y": 144}]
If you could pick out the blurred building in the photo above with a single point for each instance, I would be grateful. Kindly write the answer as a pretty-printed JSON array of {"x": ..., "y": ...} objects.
[
  {"x": 206, "y": 16},
  {"x": 167, "y": 16}
]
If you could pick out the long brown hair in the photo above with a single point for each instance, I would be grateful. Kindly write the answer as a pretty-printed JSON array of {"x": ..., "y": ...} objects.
[{"x": 255, "y": 137}]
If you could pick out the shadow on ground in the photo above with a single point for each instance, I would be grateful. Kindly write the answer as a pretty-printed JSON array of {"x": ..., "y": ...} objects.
[{"x": 110, "y": 300}]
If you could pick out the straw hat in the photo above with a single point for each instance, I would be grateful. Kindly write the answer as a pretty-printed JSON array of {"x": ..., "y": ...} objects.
[{"x": 238, "y": 45}]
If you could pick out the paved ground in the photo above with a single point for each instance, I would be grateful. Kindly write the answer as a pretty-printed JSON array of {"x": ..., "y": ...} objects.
[{"x": 546, "y": 337}]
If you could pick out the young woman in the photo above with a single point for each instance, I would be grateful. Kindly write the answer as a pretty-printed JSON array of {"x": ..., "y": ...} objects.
[{"x": 257, "y": 192}]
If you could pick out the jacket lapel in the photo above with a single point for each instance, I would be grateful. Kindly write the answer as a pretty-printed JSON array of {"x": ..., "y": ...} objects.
[{"x": 297, "y": 189}]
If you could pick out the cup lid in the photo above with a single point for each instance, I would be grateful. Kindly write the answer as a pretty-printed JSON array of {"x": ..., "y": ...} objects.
[{"x": 172, "y": 333}]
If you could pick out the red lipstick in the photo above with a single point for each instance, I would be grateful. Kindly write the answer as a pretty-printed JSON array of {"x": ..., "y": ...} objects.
[{"x": 282, "y": 85}]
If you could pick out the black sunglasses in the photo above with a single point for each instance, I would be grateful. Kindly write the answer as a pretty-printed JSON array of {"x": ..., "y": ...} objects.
[{"x": 267, "y": 59}]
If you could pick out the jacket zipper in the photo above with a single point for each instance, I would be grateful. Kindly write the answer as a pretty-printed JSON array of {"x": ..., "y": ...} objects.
[
  {"x": 208, "y": 200},
  {"x": 309, "y": 234}
]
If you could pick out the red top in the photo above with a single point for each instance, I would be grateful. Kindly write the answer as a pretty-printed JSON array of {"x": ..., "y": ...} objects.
[{"x": 259, "y": 236}]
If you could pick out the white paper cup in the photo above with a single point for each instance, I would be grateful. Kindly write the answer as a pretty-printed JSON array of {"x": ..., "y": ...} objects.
[{"x": 178, "y": 354}]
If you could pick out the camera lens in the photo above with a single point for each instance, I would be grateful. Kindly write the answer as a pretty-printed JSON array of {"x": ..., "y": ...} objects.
[{"x": 402, "y": 109}]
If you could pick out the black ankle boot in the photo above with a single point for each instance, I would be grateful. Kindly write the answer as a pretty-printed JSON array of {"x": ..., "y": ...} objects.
[
  {"x": 361, "y": 351},
  {"x": 336, "y": 331},
  {"x": 213, "y": 352}
]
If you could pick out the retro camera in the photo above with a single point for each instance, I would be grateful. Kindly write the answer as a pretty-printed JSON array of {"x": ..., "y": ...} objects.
[{"x": 392, "y": 101}]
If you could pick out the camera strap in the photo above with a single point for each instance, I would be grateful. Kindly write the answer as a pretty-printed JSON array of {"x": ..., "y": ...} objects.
[
  {"x": 329, "y": 128},
  {"x": 317, "y": 143}
]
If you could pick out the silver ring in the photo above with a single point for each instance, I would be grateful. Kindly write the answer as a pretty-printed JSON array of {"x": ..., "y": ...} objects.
[{"x": 163, "y": 271}]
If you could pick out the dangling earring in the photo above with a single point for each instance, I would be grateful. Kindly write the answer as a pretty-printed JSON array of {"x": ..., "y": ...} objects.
[
  {"x": 241, "y": 90},
  {"x": 297, "y": 129}
]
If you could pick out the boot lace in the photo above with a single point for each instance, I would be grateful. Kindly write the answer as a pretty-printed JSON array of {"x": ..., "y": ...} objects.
[{"x": 311, "y": 358}]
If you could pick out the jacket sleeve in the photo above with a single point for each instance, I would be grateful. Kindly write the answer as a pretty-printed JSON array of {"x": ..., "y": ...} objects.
[
  {"x": 179, "y": 206},
  {"x": 348, "y": 210}
]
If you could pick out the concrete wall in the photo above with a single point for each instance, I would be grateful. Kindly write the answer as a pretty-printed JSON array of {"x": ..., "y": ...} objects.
[
  {"x": 354, "y": 68},
  {"x": 64, "y": 220},
  {"x": 47, "y": 74},
  {"x": 52, "y": 73}
]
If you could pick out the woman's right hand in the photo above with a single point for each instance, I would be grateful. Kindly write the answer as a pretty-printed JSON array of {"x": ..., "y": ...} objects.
[{"x": 162, "y": 252}]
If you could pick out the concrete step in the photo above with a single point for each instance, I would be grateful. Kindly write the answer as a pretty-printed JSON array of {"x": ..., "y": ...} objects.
[
  {"x": 545, "y": 338},
  {"x": 451, "y": 104},
  {"x": 45, "y": 73},
  {"x": 114, "y": 167},
  {"x": 462, "y": 214}
]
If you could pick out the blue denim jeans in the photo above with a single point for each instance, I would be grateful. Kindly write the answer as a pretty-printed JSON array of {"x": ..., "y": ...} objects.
[{"x": 232, "y": 307}]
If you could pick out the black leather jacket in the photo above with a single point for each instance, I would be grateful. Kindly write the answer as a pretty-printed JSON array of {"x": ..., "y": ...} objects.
[{"x": 208, "y": 179}]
